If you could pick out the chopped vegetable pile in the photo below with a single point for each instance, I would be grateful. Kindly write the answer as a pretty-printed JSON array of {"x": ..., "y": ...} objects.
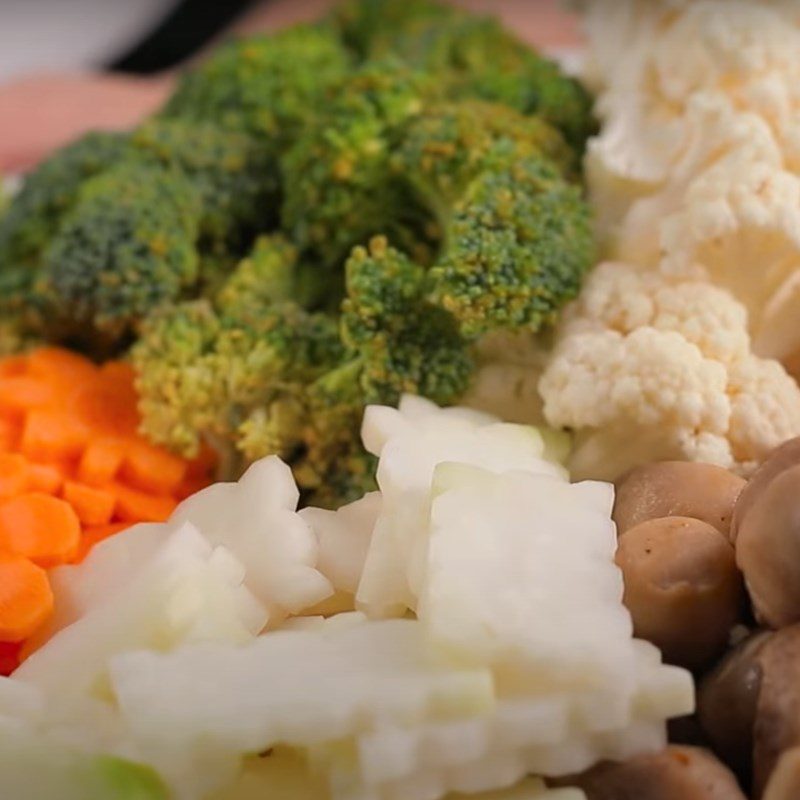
[
  {"x": 348, "y": 270},
  {"x": 317, "y": 220},
  {"x": 73, "y": 471}
]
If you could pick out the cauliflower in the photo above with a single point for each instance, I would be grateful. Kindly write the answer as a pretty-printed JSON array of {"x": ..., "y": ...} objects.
[{"x": 648, "y": 367}]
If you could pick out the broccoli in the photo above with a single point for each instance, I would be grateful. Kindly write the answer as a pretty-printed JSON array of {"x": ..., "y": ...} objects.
[
  {"x": 210, "y": 369},
  {"x": 339, "y": 188},
  {"x": 234, "y": 175},
  {"x": 266, "y": 85},
  {"x": 473, "y": 56},
  {"x": 518, "y": 245},
  {"x": 127, "y": 246}
]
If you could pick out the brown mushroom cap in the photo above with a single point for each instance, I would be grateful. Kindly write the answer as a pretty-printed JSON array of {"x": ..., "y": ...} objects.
[
  {"x": 682, "y": 587},
  {"x": 750, "y": 705},
  {"x": 777, "y": 723},
  {"x": 727, "y": 703},
  {"x": 676, "y": 773},
  {"x": 768, "y": 549},
  {"x": 782, "y": 458},
  {"x": 677, "y": 489},
  {"x": 784, "y": 783}
]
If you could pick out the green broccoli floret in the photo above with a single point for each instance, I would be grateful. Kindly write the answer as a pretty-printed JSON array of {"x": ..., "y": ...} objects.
[
  {"x": 473, "y": 56},
  {"x": 46, "y": 193},
  {"x": 213, "y": 371},
  {"x": 339, "y": 188},
  {"x": 266, "y": 85},
  {"x": 127, "y": 246},
  {"x": 402, "y": 342},
  {"x": 234, "y": 175},
  {"x": 448, "y": 145},
  {"x": 517, "y": 247}
]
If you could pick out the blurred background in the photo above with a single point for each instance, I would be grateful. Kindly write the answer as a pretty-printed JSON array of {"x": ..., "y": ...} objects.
[{"x": 70, "y": 65}]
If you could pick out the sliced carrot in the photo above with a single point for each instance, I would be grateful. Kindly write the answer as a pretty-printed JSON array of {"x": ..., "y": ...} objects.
[
  {"x": 190, "y": 485},
  {"x": 9, "y": 434},
  {"x": 21, "y": 393},
  {"x": 135, "y": 506},
  {"x": 62, "y": 369},
  {"x": 94, "y": 535},
  {"x": 152, "y": 469},
  {"x": 13, "y": 474},
  {"x": 101, "y": 461},
  {"x": 10, "y": 657},
  {"x": 12, "y": 366},
  {"x": 92, "y": 505},
  {"x": 50, "y": 435},
  {"x": 26, "y": 599},
  {"x": 108, "y": 409},
  {"x": 47, "y": 478},
  {"x": 42, "y": 528}
]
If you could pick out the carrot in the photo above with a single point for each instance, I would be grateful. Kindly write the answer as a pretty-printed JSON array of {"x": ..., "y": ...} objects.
[
  {"x": 134, "y": 506},
  {"x": 93, "y": 535},
  {"x": 20, "y": 393},
  {"x": 152, "y": 469},
  {"x": 101, "y": 461},
  {"x": 9, "y": 434},
  {"x": 42, "y": 528},
  {"x": 49, "y": 435},
  {"x": 106, "y": 408},
  {"x": 47, "y": 478},
  {"x": 11, "y": 366},
  {"x": 13, "y": 474},
  {"x": 202, "y": 466},
  {"x": 61, "y": 369},
  {"x": 26, "y": 599},
  {"x": 190, "y": 485},
  {"x": 10, "y": 657},
  {"x": 92, "y": 505}
]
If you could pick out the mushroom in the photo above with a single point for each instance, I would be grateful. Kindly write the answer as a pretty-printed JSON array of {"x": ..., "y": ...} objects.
[
  {"x": 768, "y": 547},
  {"x": 784, "y": 784},
  {"x": 677, "y": 489},
  {"x": 749, "y": 706},
  {"x": 682, "y": 587},
  {"x": 676, "y": 773},
  {"x": 782, "y": 458}
]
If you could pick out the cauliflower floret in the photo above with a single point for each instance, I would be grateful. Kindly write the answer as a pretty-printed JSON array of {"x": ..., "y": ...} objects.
[{"x": 648, "y": 368}]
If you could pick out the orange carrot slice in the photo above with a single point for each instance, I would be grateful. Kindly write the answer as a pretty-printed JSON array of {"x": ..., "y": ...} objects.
[
  {"x": 134, "y": 506},
  {"x": 101, "y": 461},
  {"x": 62, "y": 369},
  {"x": 47, "y": 478},
  {"x": 50, "y": 435},
  {"x": 152, "y": 469},
  {"x": 26, "y": 599},
  {"x": 13, "y": 474},
  {"x": 42, "y": 528},
  {"x": 21, "y": 393},
  {"x": 10, "y": 657},
  {"x": 9, "y": 434},
  {"x": 92, "y": 505},
  {"x": 12, "y": 366},
  {"x": 94, "y": 535}
]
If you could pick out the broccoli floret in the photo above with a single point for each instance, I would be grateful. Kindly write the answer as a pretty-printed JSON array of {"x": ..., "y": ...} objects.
[
  {"x": 46, "y": 193},
  {"x": 451, "y": 143},
  {"x": 339, "y": 187},
  {"x": 517, "y": 247},
  {"x": 127, "y": 246},
  {"x": 266, "y": 85},
  {"x": 234, "y": 175},
  {"x": 473, "y": 56},
  {"x": 403, "y": 343},
  {"x": 223, "y": 372}
]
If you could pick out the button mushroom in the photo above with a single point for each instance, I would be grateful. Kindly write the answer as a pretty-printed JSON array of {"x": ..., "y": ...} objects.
[
  {"x": 784, "y": 784},
  {"x": 677, "y": 489},
  {"x": 768, "y": 548},
  {"x": 782, "y": 458},
  {"x": 682, "y": 587},
  {"x": 750, "y": 705},
  {"x": 677, "y": 773}
]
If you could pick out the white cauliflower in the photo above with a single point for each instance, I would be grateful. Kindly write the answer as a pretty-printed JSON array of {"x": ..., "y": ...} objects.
[{"x": 646, "y": 367}]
